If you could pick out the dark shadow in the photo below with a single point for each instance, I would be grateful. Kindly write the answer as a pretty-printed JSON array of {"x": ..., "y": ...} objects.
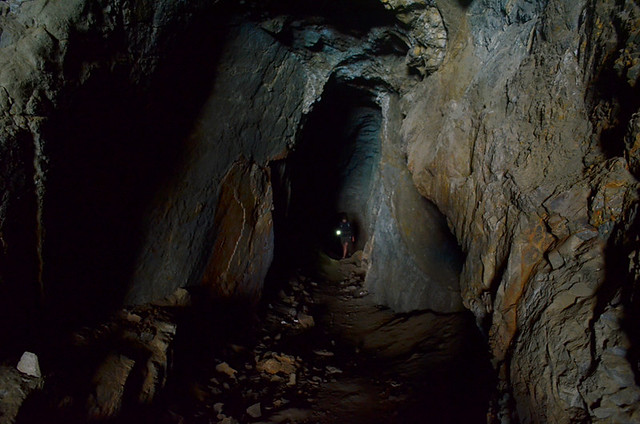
[
  {"x": 307, "y": 184},
  {"x": 618, "y": 257},
  {"x": 355, "y": 17},
  {"x": 612, "y": 99},
  {"x": 621, "y": 286},
  {"x": 19, "y": 291},
  {"x": 465, "y": 3},
  {"x": 208, "y": 330},
  {"x": 619, "y": 101},
  {"x": 112, "y": 146}
]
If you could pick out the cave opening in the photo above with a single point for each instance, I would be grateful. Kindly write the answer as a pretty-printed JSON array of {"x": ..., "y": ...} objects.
[{"x": 331, "y": 172}]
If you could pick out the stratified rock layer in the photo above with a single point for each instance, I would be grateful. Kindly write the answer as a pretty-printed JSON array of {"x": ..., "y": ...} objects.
[{"x": 512, "y": 141}]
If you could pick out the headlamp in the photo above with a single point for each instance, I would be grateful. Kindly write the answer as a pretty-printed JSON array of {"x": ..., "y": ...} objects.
[{"x": 338, "y": 232}]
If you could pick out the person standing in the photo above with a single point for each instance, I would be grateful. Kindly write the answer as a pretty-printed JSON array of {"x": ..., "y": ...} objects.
[{"x": 345, "y": 232}]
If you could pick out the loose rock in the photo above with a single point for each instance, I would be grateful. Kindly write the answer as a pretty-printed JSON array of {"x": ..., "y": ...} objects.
[{"x": 29, "y": 365}]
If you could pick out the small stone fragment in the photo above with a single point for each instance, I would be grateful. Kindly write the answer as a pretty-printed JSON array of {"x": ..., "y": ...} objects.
[
  {"x": 109, "y": 384},
  {"x": 279, "y": 363},
  {"x": 306, "y": 321},
  {"x": 179, "y": 298},
  {"x": 333, "y": 370},
  {"x": 292, "y": 380},
  {"x": 224, "y": 368},
  {"x": 254, "y": 410},
  {"x": 227, "y": 420},
  {"x": 28, "y": 364}
]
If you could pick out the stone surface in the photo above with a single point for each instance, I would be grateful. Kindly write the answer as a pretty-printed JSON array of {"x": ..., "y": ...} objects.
[
  {"x": 109, "y": 382},
  {"x": 14, "y": 390},
  {"x": 515, "y": 147},
  {"x": 279, "y": 363},
  {"x": 414, "y": 261},
  {"x": 156, "y": 370},
  {"x": 236, "y": 121},
  {"x": 243, "y": 246},
  {"x": 29, "y": 365},
  {"x": 427, "y": 34},
  {"x": 224, "y": 368},
  {"x": 254, "y": 410},
  {"x": 54, "y": 56},
  {"x": 518, "y": 120}
]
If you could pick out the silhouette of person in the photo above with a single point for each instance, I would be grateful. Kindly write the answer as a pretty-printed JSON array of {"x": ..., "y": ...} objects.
[{"x": 345, "y": 232}]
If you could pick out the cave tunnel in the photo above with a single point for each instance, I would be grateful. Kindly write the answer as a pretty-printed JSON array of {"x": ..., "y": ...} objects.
[
  {"x": 174, "y": 173},
  {"x": 330, "y": 173},
  {"x": 148, "y": 193}
]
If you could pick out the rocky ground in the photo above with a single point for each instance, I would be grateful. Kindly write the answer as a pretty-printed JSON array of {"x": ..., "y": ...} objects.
[{"x": 318, "y": 351}]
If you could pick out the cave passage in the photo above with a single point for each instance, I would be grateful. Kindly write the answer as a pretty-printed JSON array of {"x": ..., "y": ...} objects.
[
  {"x": 318, "y": 348},
  {"x": 434, "y": 362},
  {"x": 330, "y": 173}
]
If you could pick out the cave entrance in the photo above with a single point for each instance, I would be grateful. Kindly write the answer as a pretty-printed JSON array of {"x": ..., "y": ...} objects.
[{"x": 331, "y": 172}]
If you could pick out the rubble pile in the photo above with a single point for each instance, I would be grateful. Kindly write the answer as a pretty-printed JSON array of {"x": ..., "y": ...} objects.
[{"x": 279, "y": 378}]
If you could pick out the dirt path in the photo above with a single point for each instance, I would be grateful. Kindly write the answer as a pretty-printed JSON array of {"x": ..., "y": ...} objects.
[
  {"x": 323, "y": 353},
  {"x": 318, "y": 351}
]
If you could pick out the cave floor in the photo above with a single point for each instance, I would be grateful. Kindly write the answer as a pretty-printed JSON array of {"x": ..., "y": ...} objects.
[
  {"x": 320, "y": 352},
  {"x": 317, "y": 350}
]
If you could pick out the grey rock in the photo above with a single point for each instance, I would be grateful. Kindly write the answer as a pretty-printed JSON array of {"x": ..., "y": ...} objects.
[
  {"x": 14, "y": 389},
  {"x": 29, "y": 365},
  {"x": 555, "y": 259},
  {"x": 254, "y": 410},
  {"x": 108, "y": 386}
]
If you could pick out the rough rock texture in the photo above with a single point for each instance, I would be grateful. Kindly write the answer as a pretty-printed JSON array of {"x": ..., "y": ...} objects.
[
  {"x": 414, "y": 260},
  {"x": 75, "y": 79},
  {"x": 254, "y": 117},
  {"x": 14, "y": 389},
  {"x": 519, "y": 120},
  {"x": 244, "y": 229},
  {"x": 515, "y": 143},
  {"x": 109, "y": 382},
  {"x": 427, "y": 34}
]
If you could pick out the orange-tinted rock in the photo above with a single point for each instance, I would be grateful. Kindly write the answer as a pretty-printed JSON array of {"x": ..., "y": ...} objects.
[
  {"x": 527, "y": 253},
  {"x": 243, "y": 247}
]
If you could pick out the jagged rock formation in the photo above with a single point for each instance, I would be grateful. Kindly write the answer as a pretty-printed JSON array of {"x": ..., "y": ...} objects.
[
  {"x": 131, "y": 132},
  {"x": 523, "y": 154}
]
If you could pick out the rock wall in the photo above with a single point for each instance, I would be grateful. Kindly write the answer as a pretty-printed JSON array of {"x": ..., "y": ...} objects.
[
  {"x": 243, "y": 228},
  {"x": 518, "y": 120},
  {"x": 414, "y": 260},
  {"x": 518, "y": 138},
  {"x": 76, "y": 79},
  {"x": 253, "y": 111},
  {"x": 120, "y": 127}
]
